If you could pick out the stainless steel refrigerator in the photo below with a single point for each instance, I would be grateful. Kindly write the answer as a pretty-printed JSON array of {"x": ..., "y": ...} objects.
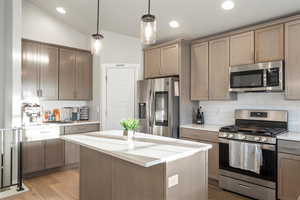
[{"x": 158, "y": 106}]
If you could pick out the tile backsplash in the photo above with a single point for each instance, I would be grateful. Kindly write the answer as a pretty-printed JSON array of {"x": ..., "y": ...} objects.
[
  {"x": 222, "y": 112},
  {"x": 50, "y": 105}
]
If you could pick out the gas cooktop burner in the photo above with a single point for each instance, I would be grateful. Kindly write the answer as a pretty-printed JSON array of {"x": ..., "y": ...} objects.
[
  {"x": 257, "y": 131},
  {"x": 258, "y": 126}
]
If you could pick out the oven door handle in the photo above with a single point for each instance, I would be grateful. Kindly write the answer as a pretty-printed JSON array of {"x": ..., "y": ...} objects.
[
  {"x": 265, "y": 78},
  {"x": 263, "y": 146}
]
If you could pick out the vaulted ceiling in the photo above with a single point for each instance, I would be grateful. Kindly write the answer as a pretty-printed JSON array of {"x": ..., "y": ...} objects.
[{"x": 197, "y": 17}]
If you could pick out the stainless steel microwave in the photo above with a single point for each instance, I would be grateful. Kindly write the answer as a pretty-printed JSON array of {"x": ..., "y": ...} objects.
[{"x": 261, "y": 77}]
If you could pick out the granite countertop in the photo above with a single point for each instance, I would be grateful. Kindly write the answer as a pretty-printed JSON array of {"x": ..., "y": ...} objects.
[
  {"x": 205, "y": 127},
  {"x": 144, "y": 150},
  {"x": 291, "y": 136}
]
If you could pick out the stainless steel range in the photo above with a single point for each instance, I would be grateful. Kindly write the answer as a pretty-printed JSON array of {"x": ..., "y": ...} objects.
[{"x": 248, "y": 153}]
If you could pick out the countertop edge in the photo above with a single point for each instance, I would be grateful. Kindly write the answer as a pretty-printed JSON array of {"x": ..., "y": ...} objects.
[
  {"x": 62, "y": 124},
  {"x": 148, "y": 164},
  {"x": 290, "y": 136},
  {"x": 206, "y": 127}
]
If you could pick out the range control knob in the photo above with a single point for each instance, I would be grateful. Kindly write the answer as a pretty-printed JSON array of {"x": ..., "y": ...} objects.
[
  {"x": 256, "y": 138},
  {"x": 243, "y": 137},
  {"x": 224, "y": 135},
  {"x": 230, "y": 136},
  {"x": 263, "y": 139}
]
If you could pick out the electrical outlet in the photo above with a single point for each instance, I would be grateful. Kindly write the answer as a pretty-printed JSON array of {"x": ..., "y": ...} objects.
[{"x": 172, "y": 181}]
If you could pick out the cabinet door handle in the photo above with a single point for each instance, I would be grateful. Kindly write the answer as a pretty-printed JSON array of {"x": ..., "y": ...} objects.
[
  {"x": 41, "y": 92},
  {"x": 38, "y": 92},
  {"x": 244, "y": 186}
]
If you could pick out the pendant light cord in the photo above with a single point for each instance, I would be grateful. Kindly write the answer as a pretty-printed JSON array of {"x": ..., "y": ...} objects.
[
  {"x": 98, "y": 8},
  {"x": 149, "y": 5}
]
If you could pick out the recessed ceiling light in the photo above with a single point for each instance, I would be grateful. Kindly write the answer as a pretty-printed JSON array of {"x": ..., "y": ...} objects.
[
  {"x": 228, "y": 5},
  {"x": 174, "y": 24},
  {"x": 61, "y": 10}
]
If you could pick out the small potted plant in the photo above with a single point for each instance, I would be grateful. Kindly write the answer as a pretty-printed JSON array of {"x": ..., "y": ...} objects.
[{"x": 129, "y": 126}]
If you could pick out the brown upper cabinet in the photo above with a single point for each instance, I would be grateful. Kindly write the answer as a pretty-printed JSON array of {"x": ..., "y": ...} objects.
[
  {"x": 169, "y": 60},
  {"x": 152, "y": 62},
  {"x": 199, "y": 71},
  {"x": 292, "y": 60},
  {"x": 67, "y": 74},
  {"x": 269, "y": 44},
  {"x": 84, "y": 78},
  {"x": 75, "y": 75},
  {"x": 39, "y": 70},
  {"x": 51, "y": 72},
  {"x": 242, "y": 49},
  {"x": 161, "y": 61},
  {"x": 219, "y": 70}
]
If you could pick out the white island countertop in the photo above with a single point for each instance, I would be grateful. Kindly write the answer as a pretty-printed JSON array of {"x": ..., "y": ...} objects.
[{"x": 144, "y": 150}]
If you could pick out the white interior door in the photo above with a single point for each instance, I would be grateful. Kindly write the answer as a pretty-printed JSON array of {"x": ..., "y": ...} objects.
[{"x": 120, "y": 95}]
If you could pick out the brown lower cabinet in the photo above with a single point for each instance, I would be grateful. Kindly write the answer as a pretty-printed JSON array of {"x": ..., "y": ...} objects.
[
  {"x": 42, "y": 155},
  {"x": 55, "y": 153},
  {"x": 72, "y": 151},
  {"x": 206, "y": 137},
  {"x": 33, "y": 157},
  {"x": 288, "y": 170}
]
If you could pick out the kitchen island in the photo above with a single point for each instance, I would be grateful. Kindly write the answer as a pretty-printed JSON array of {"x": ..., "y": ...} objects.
[{"x": 145, "y": 168}]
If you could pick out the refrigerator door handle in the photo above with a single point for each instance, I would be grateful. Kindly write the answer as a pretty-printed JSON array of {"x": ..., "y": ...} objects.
[{"x": 149, "y": 108}]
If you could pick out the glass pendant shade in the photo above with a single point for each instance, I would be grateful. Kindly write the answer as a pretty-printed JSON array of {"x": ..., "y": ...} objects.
[
  {"x": 96, "y": 43},
  {"x": 148, "y": 29},
  {"x": 97, "y": 37}
]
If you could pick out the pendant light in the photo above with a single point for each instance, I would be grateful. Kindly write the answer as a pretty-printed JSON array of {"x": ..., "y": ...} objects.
[
  {"x": 148, "y": 27},
  {"x": 97, "y": 37}
]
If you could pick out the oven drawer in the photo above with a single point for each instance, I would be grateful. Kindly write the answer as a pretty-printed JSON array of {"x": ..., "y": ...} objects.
[
  {"x": 247, "y": 189},
  {"x": 290, "y": 147}
]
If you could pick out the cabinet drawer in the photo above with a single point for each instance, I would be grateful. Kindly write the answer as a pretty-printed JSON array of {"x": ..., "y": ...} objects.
[
  {"x": 82, "y": 128},
  {"x": 202, "y": 135},
  {"x": 290, "y": 147}
]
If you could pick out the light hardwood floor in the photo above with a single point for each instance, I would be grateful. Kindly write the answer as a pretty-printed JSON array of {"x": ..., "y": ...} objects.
[{"x": 64, "y": 185}]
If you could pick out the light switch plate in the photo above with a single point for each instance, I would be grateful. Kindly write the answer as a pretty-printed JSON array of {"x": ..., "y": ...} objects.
[{"x": 172, "y": 180}]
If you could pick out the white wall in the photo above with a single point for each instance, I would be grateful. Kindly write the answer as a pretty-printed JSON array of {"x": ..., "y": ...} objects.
[
  {"x": 2, "y": 48},
  {"x": 10, "y": 64},
  {"x": 116, "y": 49},
  {"x": 222, "y": 112},
  {"x": 40, "y": 26},
  {"x": 10, "y": 75}
]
